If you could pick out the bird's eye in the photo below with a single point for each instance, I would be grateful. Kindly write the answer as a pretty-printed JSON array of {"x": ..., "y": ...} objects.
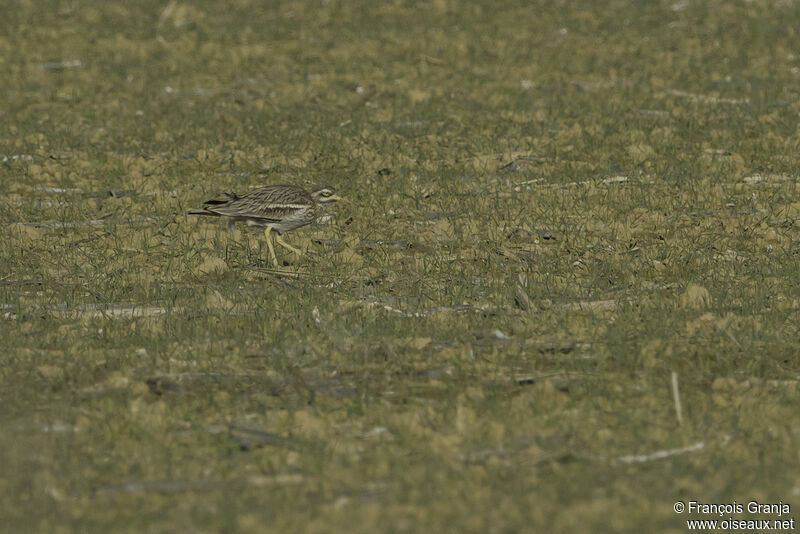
[{"x": 326, "y": 193}]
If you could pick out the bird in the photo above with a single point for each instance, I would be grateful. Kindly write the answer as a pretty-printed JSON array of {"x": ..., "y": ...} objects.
[{"x": 280, "y": 208}]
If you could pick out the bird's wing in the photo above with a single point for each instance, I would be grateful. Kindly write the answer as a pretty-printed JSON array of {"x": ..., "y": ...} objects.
[
  {"x": 270, "y": 204},
  {"x": 274, "y": 201}
]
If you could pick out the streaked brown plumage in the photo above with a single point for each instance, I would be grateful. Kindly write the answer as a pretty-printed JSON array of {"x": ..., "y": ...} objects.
[{"x": 279, "y": 208}]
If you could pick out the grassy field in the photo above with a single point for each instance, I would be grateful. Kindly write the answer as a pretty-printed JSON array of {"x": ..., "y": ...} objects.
[{"x": 563, "y": 293}]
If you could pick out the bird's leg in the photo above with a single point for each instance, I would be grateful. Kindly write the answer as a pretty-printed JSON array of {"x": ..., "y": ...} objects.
[
  {"x": 231, "y": 226},
  {"x": 284, "y": 244},
  {"x": 271, "y": 248}
]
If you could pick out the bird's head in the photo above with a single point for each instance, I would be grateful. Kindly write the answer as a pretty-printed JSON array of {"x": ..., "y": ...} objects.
[{"x": 324, "y": 195}]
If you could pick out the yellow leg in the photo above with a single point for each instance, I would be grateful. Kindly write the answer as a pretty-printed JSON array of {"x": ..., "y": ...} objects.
[
  {"x": 271, "y": 248},
  {"x": 284, "y": 244}
]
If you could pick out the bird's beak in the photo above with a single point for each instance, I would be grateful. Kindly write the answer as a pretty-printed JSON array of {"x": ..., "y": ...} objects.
[{"x": 336, "y": 197}]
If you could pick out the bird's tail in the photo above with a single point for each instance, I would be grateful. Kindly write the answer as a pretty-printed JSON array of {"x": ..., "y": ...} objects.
[
  {"x": 229, "y": 197},
  {"x": 202, "y": 212}
]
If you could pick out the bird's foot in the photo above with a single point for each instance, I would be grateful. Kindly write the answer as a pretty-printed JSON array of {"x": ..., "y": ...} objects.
[{"x": 281, "y": 242}]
